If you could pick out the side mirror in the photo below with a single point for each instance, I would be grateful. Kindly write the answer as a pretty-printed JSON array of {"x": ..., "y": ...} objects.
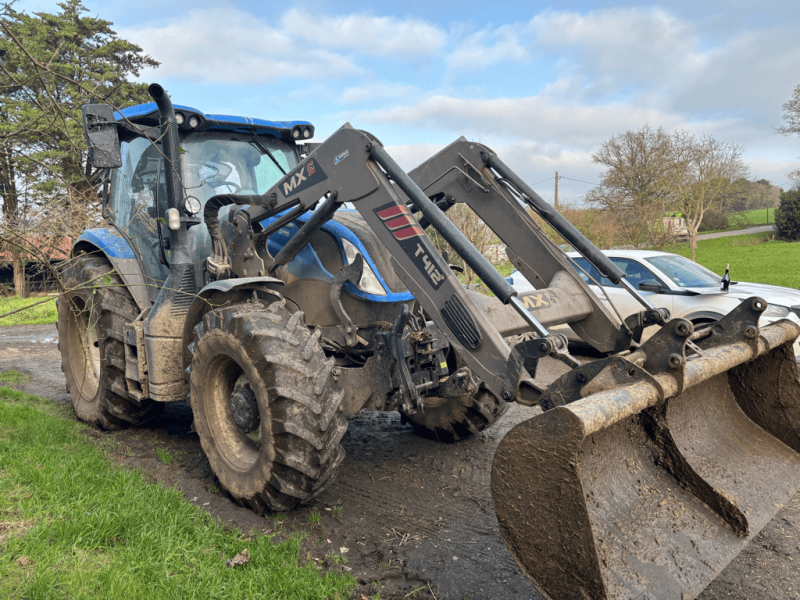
[
  {"x": 101, "y": 136},
  {"x": 650, "y": 285}
]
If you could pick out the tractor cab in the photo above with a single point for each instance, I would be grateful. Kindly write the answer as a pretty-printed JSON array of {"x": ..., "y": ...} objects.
[
  {"x": 223, "y": 154},
  {"x": 220, "y": 154}
]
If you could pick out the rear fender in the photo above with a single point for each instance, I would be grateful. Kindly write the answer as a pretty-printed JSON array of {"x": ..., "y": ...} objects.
[
  {"x": 118, "y": 251},
  {"x": 220, "y": 291}
]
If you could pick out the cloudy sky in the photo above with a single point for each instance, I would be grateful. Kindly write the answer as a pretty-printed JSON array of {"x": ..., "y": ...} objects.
[{"x": 543, "y": 86}]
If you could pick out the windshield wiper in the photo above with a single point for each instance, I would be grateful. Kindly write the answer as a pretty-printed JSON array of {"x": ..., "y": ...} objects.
[{"x": 260, "y": 145}]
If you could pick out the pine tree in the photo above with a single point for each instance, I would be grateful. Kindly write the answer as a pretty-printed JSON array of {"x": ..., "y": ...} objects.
[{"x": 54, "y": 63}]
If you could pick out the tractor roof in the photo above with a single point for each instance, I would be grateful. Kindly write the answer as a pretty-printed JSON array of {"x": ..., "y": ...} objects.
[{"x": 147, "y": 114}]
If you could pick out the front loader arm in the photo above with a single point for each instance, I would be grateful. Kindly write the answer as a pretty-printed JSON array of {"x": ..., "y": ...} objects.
[
  {"x": 460, "y": 173},
  {"x": 345, "y": 168}
]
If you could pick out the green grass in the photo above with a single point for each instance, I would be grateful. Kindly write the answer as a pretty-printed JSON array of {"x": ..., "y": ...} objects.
[
  {"x": 14, "y": 377},
  {"x": 76, "y": 526},
  {"x": 314, "y": 517},
  {"x": 37, "y": 315},
  {"x": 163, "y": 456},
  {"x": 759, "y": 216},
  {"x": 753, "y": 257}
]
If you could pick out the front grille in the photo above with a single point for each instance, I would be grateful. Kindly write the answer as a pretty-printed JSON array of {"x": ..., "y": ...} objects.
[{"x": 461, "y": 323}]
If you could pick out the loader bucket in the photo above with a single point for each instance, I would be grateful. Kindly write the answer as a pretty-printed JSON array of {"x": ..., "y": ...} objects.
[{"x": 648, "y": 489}]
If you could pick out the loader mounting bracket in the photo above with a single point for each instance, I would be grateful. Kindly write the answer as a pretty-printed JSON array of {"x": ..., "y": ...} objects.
[
  {"x": 666, "y": 350},
  {"x": 530, "y": 351},
  {"x": 410, "y": 398},
  {"x": 741, "y": 324},
  {"x": 351, "y": 273}
]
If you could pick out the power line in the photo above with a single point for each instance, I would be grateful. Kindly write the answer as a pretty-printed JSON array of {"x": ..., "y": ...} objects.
[
  {"x": 578, "y": 180},
  {"x": 543, "y": 181}
]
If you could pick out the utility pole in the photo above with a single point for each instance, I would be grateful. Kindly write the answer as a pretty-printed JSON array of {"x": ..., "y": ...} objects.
[{"x": 555, "y": 202}]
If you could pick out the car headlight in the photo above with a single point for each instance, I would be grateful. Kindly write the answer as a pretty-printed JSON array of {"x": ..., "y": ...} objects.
[
  {"x": 775, "y": 311},
  {"x": 368, "y": 283}
]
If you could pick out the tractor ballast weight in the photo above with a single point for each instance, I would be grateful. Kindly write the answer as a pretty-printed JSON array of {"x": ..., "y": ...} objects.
[{"x": 648, "y": 471}]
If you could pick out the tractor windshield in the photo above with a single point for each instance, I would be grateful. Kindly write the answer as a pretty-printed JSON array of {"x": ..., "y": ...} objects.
[
  {"x": 220, "y": 162},
  {"x": 212, "y": 162}
]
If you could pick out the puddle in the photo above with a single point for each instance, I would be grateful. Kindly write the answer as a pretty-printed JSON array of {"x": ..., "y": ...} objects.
[{"x": 28, "y": 339}]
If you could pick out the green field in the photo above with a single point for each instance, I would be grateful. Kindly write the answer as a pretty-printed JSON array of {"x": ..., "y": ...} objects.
[
  {"x": 73, "y": 525},
  {"x": 754, "y": 257},
  {"x": 759, "y": 216},
  {"x": 37, "y": 315}
]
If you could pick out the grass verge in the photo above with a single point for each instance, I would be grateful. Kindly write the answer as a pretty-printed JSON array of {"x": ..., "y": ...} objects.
[
  {"x": 14, "y": 377},
  {"x": 754, "y": 257},
  {"x": 73, "y": 525},
  {"x": 42, "y": 314}
]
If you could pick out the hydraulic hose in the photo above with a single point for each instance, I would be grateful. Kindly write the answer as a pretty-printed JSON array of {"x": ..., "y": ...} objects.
[{"x": 211, "y": 210}]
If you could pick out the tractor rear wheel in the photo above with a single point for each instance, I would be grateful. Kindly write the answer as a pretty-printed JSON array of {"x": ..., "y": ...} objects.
[
  {"x": 91, "y": 320},
  {"x": 457, "y": 418},
  {"x": 264, "y": 405}
]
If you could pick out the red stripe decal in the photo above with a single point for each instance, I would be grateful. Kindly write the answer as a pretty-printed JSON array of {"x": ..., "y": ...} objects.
[
  {"x": 408, "y": 232},
  {"x": 400, "y": 222},
  {"x": 393, "y": 211}
]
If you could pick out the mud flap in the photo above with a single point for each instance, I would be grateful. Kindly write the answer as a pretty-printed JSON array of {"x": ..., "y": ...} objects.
[{"x": 648, "y": 489}]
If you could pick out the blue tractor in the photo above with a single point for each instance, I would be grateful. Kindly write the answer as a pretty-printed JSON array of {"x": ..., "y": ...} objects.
[{"x": 143, "y": 312}]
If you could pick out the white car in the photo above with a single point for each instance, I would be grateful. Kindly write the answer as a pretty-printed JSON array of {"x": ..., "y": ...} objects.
[{"x": 687, "y": 289}]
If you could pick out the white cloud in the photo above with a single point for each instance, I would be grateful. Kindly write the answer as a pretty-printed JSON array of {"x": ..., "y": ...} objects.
[
  {"x": 380, "y": 90},
  {"x": 489, "y": 47},
  {"x": 366, "y": 34},
  {"x": 244, "y": 50},
  {"x": 409, "y": 156},
  {"x": 533, "y": 162},
  {"x": 530, "y": 118}
]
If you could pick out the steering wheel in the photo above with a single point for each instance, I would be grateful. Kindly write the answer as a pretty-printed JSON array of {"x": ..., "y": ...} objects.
[{"x": 236, "y": 188}]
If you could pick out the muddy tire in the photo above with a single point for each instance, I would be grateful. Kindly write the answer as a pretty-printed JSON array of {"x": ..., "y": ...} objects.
[
  {"x": 455, "y": 419},
  {"x": 90, "y": 332},
  {"x": 290, "y": 446}
]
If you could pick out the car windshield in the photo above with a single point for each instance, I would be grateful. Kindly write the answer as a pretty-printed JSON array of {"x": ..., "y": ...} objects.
[{"x": 683, "y": 272}]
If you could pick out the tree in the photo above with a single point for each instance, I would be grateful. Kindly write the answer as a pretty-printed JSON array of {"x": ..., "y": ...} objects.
[
  {"x": 706, "y": 170},
  {"x": 787, "y": 216},
  {"x": 53, "y": 63},
  {"x": 791, "y": 118},
  {"x": 636, "y": 186}
]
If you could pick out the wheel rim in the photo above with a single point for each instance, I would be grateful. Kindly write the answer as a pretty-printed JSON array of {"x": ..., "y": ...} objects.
[
  {"x": 239, "y": 448},
  {"x": 84, "y": 348}
]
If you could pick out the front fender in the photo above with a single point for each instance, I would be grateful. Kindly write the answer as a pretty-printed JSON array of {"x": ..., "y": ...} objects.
[{"x": 220, "y": 290}]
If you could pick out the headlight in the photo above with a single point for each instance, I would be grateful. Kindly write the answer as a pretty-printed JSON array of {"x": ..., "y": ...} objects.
[
  {"x": 369, "y": 282},
  {"x": 775, "y": 311}
]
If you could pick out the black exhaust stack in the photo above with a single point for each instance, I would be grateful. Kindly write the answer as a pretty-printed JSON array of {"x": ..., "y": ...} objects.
[
  {"x": 164, "y": 326},
  {"x": 181, "y": 282}
]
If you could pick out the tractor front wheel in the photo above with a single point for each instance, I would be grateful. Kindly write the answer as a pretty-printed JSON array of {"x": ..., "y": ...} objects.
[
  {"x": 264, "y": 404},
  {"x": 457, "y": 418}
]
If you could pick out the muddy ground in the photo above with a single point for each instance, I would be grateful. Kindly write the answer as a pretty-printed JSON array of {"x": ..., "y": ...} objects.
[{"x": 416, "y": 516}]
